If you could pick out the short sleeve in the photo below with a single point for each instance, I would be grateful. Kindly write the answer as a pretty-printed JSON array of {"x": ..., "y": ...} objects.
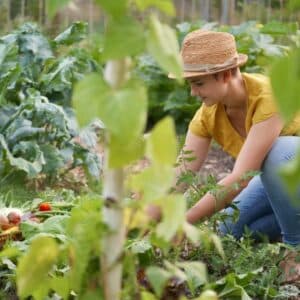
[
  {"x": 265, "y": 108},
  {"x": 198, "y": 125}
]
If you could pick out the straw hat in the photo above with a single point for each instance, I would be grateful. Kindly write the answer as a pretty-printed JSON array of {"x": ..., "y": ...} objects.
[{"x": 209, "y": 52}]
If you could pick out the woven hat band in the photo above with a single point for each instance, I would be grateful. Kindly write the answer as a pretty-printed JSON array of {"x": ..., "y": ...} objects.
[{"x": 231, "y": 62}]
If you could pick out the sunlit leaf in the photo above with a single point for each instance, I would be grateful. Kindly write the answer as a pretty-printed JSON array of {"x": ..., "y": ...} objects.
[
  {"x": 161, "y": 143},
  {"x": 39, "y": 259},
  {"x": 86, "y": 97},
  {"x": 165, "y": 6},
  {"x": 61, "y": 286},
  {"x": 132, "y": 150},
  {"x": 158, "y": 278},
  {"x": 195, "y": 272},
  {"x": 173, "y": 212},
  {"x": 208, "y": 295},
  {"x": 285, "y": 79},
  {"x": 147, "y": 296},
  {"x": 116, "y": 8},
  {"x": 153, "y": 183},
  {"x": 192, "y": 233},
  {"x": 123, "y": 37},
  {"x": 163, "y": 45}
]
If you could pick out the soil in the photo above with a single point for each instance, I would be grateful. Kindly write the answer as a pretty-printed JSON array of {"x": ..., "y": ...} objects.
[{"x": 218, "y": 163}]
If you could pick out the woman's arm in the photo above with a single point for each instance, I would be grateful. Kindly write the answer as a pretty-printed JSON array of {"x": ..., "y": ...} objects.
[
  {"x": 257, "y": 145},
  {"x": 193, "y": 154}
]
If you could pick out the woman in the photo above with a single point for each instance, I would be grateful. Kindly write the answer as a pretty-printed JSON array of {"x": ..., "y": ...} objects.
[{"x": 238, "y": 111}]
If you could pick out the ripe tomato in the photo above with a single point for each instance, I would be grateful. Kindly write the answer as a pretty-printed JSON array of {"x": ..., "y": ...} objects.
[{"x": 44, "y": 206}]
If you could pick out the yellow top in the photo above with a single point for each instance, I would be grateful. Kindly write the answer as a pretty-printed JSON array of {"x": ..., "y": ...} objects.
[{"x": 212, "y": 121}]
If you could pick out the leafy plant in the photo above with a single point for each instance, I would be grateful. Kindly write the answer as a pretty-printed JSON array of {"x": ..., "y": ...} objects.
[{"x": 37, "y": 124}]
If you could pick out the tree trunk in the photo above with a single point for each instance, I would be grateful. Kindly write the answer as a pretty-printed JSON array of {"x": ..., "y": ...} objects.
[
  {"x": 227, "y": 13},
  {"x": 111, "y": 260},
  {"x": 205, "y": 10}
]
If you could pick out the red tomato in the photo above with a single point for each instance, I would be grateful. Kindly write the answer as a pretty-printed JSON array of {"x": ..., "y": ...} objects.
[{"x": 44, "y": 206}]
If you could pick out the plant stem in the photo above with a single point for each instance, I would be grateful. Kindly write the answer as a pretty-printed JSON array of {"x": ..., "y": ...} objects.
[{"x": 111, "y": 263}]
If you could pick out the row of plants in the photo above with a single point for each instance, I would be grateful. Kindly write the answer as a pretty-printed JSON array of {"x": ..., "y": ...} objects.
[
  {"x": 78, "y": 249},
  {"x": 38, "y": 125}
]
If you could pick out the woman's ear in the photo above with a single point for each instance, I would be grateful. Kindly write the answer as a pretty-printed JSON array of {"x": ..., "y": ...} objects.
[{"x": 226, "y": 75}]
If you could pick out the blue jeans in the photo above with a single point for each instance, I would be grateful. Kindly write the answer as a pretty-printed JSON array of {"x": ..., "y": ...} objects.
[{"x": 265, "y": 206}]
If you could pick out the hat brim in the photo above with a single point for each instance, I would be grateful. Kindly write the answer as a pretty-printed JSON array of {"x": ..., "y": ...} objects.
[{"x": 242, "y": 59}]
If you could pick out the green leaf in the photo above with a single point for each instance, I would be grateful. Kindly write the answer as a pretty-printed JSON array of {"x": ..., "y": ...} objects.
[
  {"x": 84, "y": 229},
  {"x": 195, "y": 272},
  {"x": 148, "y": 296},
  {"x": 285, "y": 79},
  {"x": 123, "y": 113},
  {"x": 153, "y": 183},
  {"x": 33, "y": 268},
  {"x": 54, "y": 5},
  {"x": 116, "y": 8},
  {"x": 31, "y": 168},
  {"x": 75, "y": 33},
  {"x": 61, "y": 286},
  {"x": 86, "y": 97},
  {"x": 163, "y": 45},
  {"x": 165, "y": 6},
  {"x": 192, "y": 233},
  {"x": 132, "y": 150},
  {"x": 173, "y": 211},
  {"x": 123, "y": 37},
  {"x": 158, "y": 278},
  {"x": 53, "y": 158},
  {"x": 162, "y": 143},
  {"x": 208, "y": 295}
]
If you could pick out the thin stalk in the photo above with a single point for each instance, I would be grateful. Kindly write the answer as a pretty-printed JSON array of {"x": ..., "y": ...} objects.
[{"x": 111, "y": 260}]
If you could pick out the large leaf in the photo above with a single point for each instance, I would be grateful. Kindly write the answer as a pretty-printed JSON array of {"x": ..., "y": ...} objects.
[
  {"x": 123, "y": 37},
  {"x": 33, "y": 268},
  {"x": 153, "y": 183},
  {"x": 173, "y": 211},
  {"x": 116, "y": 8},
  {"x": 158, "y": 278},
  {"x": 163, "y": 45},
  {"x": 123, "y": 113},
  {"x": 86, "y": 98},
  {"x": 85, "y": 231},
  {"x": 31, "y": 168},
  {"x": 132, "y": 150},
  {"x": 195, "y": 272},
  {"x": 162, "y": 144},
  {"x": 285, "y": 79},
  {"x": 165, "y": 6},
  {"x": 75, "y": 33}
]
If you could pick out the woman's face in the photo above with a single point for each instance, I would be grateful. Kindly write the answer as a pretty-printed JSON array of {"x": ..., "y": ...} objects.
[{"x": 211, "y": 89}]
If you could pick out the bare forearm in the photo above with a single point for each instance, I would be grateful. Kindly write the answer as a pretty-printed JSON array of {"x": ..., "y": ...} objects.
[{"x": 210, "y": 203}]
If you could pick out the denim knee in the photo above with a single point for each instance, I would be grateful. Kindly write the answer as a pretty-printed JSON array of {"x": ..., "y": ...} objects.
[{"x": 283, "y": 150}]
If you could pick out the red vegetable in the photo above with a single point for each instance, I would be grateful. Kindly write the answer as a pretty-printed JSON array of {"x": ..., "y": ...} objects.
[
  {"x": 44, "y": 206},
  {"x": 14, "y": 218}
]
